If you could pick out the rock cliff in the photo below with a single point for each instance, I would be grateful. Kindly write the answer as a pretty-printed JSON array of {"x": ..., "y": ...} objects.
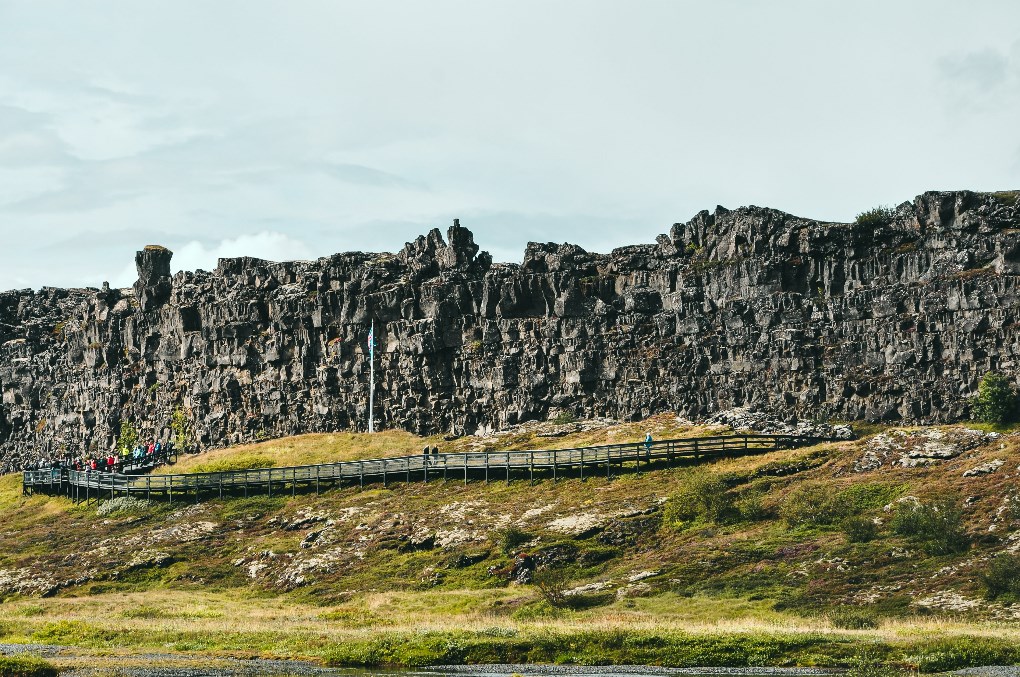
[{"x": 895, "y": 317}]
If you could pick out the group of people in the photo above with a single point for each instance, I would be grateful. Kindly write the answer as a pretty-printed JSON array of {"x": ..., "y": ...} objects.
[{"x": 153, "y": 453}]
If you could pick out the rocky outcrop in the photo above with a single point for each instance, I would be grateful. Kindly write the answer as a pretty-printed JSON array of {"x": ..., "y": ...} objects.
[{"x": 892, "y": 318}]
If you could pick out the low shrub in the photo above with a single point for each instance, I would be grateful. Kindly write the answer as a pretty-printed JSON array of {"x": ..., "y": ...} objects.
[
  {"x": 703, "y": 496},
  {"x": 1002, "y": 577},
  {"x": 964, "y": 652},
  {"x": 26, "y": 666},
  {"x": 752, "y": 508},
  {"x": 867, "y": 665},
  {"x": 553, "y": 583},
  {"x": 807, "y": 504},
  {"x": 849, "y": 618},
  {"x": 878, "y": 216},
  {"x": 859, "y": 529},
  {"x": 564, "y": 417},
  {"x": 816, "y": 504},
  {"x": 864, "y": 496},
  {"x": 511, "y": 538},
  {"x": 937, "y": 527}
]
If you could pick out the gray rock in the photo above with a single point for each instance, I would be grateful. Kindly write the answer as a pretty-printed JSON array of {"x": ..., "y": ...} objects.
[{"x": 750, "y": 308}]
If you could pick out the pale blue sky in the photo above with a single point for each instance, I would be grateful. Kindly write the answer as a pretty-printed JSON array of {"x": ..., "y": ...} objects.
[{"x": 299, "y": 128}]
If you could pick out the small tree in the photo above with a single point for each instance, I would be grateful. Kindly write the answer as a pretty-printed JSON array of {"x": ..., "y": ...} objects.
[
  {"x": 996, "y": 402},
  {"x": 553, "y": 584},
  {"x": 180, "y": 425},
  {"x": 128, "y": 438}
]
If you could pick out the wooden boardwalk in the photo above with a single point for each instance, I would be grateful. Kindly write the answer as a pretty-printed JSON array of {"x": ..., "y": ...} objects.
[{"x": 501, "y": 465}]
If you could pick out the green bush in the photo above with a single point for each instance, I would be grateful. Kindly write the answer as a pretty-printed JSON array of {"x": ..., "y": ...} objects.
[
  {"x": 879, "y": 216},
  {"x": 25, "y": 666},
  {"x": 553, "y": 583},
  {"x": 864, "y": 496},
  {"x": 180, "y": 426},
  {"x": 964, "y": 652},
  {"x": 703, "y": 496},
  {"x": 511, "y": 538},
  {"x": 1002, "y": 576},
  {"x": 128, "y": 438},
  {"x": 849, "y": 618},
  {"x": 996, "y": 402},
  {"x": 859, "y": 529},
  {"x": 816, "y": 504},
  {"x": 752, "y": 508},
  {"x": 937, "y": 527},
  {"x": 870, "y": 666},
  {"x": 564, "y": 417},
  {"x": 808, "y": 504}
]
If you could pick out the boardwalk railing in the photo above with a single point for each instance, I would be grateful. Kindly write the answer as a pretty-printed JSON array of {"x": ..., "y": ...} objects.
[{"x": 600, "y": 460}]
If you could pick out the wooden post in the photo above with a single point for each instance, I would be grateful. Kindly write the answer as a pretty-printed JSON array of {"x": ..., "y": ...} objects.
[
  {"x": 383, "y": 473},
  {"x": 508, "y": 468},
  {"x": 293, "y": 482},
  {"x": 361, "y": 469},
  {"x": 554, "y": 465},
  {"x": 317, "y": 480},
  {"x": 486, "y": 467},
  {"x": 465, "y": 470},
  {"x": 531, "y": 467},
  {"x": 695, "y": 448},
  {"x": 582, "y": 465},
  {"x": 221, "y": 486},
  {"x": 425, "y": 467}
]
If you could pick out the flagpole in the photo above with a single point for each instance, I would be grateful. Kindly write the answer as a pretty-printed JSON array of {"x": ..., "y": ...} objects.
[{"x": 371, "y": 377}]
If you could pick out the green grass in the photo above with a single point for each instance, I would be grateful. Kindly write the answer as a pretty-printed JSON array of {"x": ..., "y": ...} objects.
[
  {"x": 26, "y": 666},
  {"x": 668, "y": 648}
]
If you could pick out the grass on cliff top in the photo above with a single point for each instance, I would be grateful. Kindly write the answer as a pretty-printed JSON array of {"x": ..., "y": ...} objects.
[{"x": 347, "y": 446}]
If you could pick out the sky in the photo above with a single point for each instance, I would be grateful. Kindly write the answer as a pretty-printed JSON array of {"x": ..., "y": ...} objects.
[{"x": 295, "y": 129}]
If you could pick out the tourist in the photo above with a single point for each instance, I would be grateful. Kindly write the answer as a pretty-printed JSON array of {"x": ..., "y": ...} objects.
[{"x": 648, "y": 445}]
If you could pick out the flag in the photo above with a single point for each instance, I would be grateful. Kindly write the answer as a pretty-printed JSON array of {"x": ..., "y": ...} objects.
[{"x": 371, "y": 341}]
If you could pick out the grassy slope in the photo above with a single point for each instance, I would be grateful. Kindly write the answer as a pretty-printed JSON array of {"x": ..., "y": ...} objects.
[{"x": 401, "y": 575}]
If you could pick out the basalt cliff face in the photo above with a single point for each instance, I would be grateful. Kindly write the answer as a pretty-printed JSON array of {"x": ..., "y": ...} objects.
[{"x": 895, "y": 318}]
